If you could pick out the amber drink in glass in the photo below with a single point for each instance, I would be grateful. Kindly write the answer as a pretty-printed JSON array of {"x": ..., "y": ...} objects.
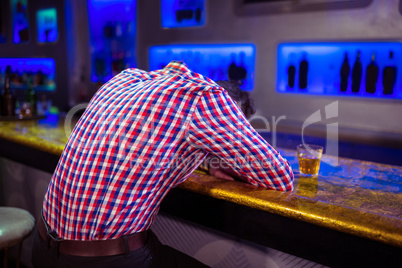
[{"x": 309, "y": 156}]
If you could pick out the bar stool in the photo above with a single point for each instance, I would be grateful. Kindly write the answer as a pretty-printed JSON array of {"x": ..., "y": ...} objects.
[{"x": 15, "y": 225}]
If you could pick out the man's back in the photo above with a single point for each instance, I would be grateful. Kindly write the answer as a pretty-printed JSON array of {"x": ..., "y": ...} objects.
[{"x": 130, "y": 137}]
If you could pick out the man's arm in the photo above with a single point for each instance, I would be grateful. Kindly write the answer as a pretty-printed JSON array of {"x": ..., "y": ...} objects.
[
  {"x": 220, "y": 169},
  {"x": 219, "y": 127}
]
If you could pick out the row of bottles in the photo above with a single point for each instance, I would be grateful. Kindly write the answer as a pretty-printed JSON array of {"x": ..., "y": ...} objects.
[
  {"x": 372, "y": 71},
  {"x": 350, "y": 76},
  {"x": 19, "y": 71},
  {"x": 20, "y": 78},
  {"x": 113, "y": 51},
  {"x": 8, "y": 100},
  {"x": 217, "y": 62},
  {"x": 303, "y": 73}
]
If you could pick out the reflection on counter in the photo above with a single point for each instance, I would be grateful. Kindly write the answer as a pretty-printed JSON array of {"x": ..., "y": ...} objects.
[
  {"x": 46, "y": 134},
  {"x": 307, "y": 186}
]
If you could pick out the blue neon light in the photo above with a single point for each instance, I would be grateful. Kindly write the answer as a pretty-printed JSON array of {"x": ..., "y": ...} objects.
[
  {"x": 213, "y": 61},
  {"x": 112, "y": 37},
  {"x": 333, "y": 69},
  {"x": 47, "y": 25},
  {"x": 41, "y": 69},
  {"x": 182, "y": 13},
  {"x": 19, "y": 10}
]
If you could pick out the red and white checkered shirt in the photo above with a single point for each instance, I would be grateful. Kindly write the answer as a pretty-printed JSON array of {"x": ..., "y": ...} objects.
[{"x": 142, "y": 134}]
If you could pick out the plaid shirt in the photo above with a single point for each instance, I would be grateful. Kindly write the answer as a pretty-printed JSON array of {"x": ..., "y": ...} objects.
[{"x": 142, "y": 134}]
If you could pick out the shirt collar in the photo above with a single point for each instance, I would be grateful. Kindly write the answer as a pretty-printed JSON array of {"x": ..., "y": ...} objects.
[{"x": 177, "y": 67}]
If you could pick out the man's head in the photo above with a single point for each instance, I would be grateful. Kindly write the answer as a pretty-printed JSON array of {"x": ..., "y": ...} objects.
[{"x": 242, "y": 98}]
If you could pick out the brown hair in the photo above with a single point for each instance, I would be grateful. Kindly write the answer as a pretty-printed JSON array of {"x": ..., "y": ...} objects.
[{"x": 243, "y": 98}]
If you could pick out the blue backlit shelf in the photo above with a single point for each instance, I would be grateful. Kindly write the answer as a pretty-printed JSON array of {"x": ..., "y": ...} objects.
[
  {"x": 112, "y": 37},
  {"x": 47, "y": 29},
  {"x": 182, "y": 13},
  {"x": 19, "y": 10},
  {"x": 332, "y": 68},
  {"x": 41, "y": 69},
  {"x": 217, "y": 62}
]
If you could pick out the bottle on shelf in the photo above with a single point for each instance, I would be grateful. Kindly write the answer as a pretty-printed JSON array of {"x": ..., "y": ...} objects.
[
  {"x": 8, "y": 99},
  {"x": 9, "y": 73},
  {"x": 119, "y": 29},
  {"x": 389, "y": 76},
  {"x": 303, "y": 72},
  {"x": 82, "y": 86},
  {"x": 345, "y": 69},
  {"x": 243, "y": 68},
  {"x": 30, "y": 98},
  {"x": 371, "y": 75},
  {"x": 237, "y": 72},
  {"x": 108, "y": 30},
  {"x": 291, "y": 72},
  {"x": 357, "y": 74}
]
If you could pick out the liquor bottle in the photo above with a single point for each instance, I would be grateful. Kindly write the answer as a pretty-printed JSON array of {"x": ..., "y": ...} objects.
[
  {"x": 30, "y": 97},
  {"x": 108, "y": 30},
  {"x": 291, "y": 73},
  {"x": 119, "y": 29},
  {"x": 8, "y": 99},
  {"x": 82, "y": 86},
  {"x": 357, "y": 74},
  {"x": 243, "y": 68},
  {"x": 371, "y": 75},
  {"x": 345, "y": 69},
  {"x": 389, "y": 76},
  {"x": 236, "y": 72},
  {"x": 8, "y": 70},
  {"x": 303, "y": 71}
]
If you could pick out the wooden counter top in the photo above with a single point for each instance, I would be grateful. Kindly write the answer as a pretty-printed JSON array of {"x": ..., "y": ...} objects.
[{"x": 355, "y": 197}]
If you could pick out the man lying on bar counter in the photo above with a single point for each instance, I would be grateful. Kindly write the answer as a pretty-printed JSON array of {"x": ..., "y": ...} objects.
[{"x": 142, "y": 134}]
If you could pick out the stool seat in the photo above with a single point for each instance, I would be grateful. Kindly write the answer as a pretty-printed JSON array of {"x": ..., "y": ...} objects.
[{"x": 15, "y": 225}]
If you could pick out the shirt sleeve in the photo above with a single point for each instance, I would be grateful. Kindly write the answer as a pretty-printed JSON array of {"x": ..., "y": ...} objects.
[{"x": 219, "y": 127}]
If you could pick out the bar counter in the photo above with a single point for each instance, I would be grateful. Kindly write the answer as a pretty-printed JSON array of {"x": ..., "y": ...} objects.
[{"x": 358, "y": 199}]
